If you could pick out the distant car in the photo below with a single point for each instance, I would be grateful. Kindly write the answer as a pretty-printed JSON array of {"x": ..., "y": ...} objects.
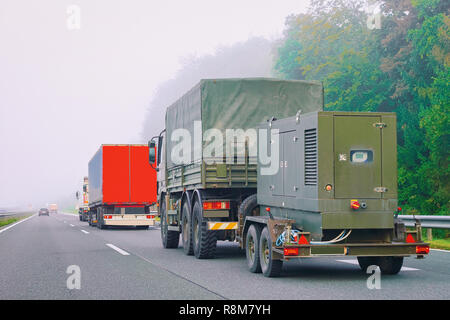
[{"x": 44, "y": 211}]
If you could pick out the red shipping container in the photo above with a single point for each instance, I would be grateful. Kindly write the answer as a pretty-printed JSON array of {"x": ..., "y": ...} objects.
[{"x": 121, "y": 174}]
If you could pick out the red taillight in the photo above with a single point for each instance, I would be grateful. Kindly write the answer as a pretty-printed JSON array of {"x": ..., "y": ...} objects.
[
  {"x": 354, "y": 204},
  {"x": 216, "y": 205},
  {"x": 291, "y": 251},
  {"x": 107, "y": 217},
  {"x": 150, "y": 217},
  {"x": 422, "y": 249}
]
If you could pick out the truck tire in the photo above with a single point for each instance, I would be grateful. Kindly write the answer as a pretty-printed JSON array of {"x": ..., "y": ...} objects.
[
  {"x": 269, "y": 267},
  {"x": 186, "y": 230},
  {"x": 204, "y": 240},
  {"x": 170, "y": 239},
  {"x": 248, "y": 206},
  {"x": 252, "y": 248},
  {"x": 390, "y": 265},
  {"x": 365, "y": 262}
]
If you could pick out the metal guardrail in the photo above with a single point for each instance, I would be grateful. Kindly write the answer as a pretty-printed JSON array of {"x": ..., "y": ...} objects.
[{"x": 436, "y": 222}]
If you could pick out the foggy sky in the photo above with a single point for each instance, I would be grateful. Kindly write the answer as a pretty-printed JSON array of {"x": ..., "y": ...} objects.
[{"x": 64, "y": 92}]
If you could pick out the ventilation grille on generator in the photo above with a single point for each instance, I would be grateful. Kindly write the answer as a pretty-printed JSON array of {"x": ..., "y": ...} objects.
[{"x": 311, "y": 157}]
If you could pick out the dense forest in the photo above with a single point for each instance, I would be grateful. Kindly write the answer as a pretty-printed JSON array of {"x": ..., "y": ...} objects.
[{"x": 390, "y": 56}]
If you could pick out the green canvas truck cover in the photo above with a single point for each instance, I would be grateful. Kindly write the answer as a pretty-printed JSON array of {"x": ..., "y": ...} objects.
[{"x": 239, "y": 104}]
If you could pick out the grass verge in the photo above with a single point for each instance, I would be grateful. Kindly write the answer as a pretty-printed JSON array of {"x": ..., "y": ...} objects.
[
  {"x": 5, "y": 222},
  {"x": 440, "y": 244}
]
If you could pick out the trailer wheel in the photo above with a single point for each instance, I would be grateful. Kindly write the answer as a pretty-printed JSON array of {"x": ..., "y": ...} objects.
[
  {"x": 252, "y": 248},
  {"x": 186, "y": 230},
  {"x": 204, "y": 240},
  {"x": 269, "y": 267},
  {"x": 390, "y": 265},
  {"x": 365, "y": 262},
  {"x": 170, "y": 239}
]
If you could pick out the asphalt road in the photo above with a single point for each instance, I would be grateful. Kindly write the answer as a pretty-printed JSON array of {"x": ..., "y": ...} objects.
[{"x": 131, "y": 264}]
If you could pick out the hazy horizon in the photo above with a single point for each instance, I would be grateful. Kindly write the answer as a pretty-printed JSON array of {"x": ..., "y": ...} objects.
[{"x": 65, "y": 91}]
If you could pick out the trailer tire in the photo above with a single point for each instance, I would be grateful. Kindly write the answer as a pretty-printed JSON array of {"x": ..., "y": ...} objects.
[
  {"x": 269, "y": 267},
  {"x": 170, "y": 239},
  {"x": 186, "y": 230},
  {"x": 252, "y": 248},
  {"x": 390, "y": 265},
  {"x": 204, "y": 240},
  {"x": 365, "y": 262}
]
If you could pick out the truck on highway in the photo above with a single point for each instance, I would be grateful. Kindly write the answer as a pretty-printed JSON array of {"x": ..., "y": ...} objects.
[
  {"x": 53, "y": 208},
  {"x": 122, "y": 187},
  {"x": 83, "y": 211},
  {"x": 258, "y": 161}
]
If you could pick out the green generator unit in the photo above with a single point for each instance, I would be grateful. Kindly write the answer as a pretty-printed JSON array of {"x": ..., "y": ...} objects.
[{"x": 329, "y": 163}]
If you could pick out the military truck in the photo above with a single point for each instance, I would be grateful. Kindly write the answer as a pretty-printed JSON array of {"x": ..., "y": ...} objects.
[{"x": 328, "y": 187}]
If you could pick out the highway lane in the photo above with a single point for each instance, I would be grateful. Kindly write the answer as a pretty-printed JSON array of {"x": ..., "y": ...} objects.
[
  {"x": 38, "y": 251},
  {"x": 36, "y": 254}
]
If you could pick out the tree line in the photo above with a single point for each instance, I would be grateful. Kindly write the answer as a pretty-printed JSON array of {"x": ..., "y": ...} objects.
[{"x": 384, "y": 56}]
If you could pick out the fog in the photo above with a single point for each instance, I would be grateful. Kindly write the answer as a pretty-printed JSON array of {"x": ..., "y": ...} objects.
[
  {"x": 66, "y": 90},
  {"x": 252, "y": 58}
]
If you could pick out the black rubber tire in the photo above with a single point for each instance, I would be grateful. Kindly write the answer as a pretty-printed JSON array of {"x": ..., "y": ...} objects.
[
  {"x": 142, "y": 227},
  {"x": 186, "y": 230},
  {"x": 390, "y": 265},
  {"x": 248, "y": 206},
  {"x": 170, "y": 239},
  {"x": 269, "y": 267},
  {"x": 365, "y": 262},
  {"x": 204, "y": 240},
  {"x": 252, "y": 248}
]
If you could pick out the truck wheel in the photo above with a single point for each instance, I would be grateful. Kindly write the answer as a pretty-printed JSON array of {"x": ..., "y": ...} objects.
[
  {"x": 249, "y": 206},
  {"x": 269, "y": 267},
  {"x": 204, "y": 240},
  {"x": 252, "y": 248},
  {"x": 169, "y": 238},
  {"x": 186, "y": 230},
  {"x": 390, "y": 265},
  {"x": 365, "y": 262}
]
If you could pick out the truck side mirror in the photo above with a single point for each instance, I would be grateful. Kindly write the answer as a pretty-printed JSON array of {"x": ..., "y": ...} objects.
[{"x": 151, "y": 151}]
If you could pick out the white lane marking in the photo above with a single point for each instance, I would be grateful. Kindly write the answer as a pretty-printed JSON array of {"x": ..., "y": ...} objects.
[
  {"x": 72, "y": 225},
  {"x": 14, "y": 224},
  {"x": 84, "y": 231},
  {"x": 356, "y": 263},
  {"x": 122, "y": 252},
  {"x": 68, "y": 214},
  {"x": 441, "y": 250}
]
